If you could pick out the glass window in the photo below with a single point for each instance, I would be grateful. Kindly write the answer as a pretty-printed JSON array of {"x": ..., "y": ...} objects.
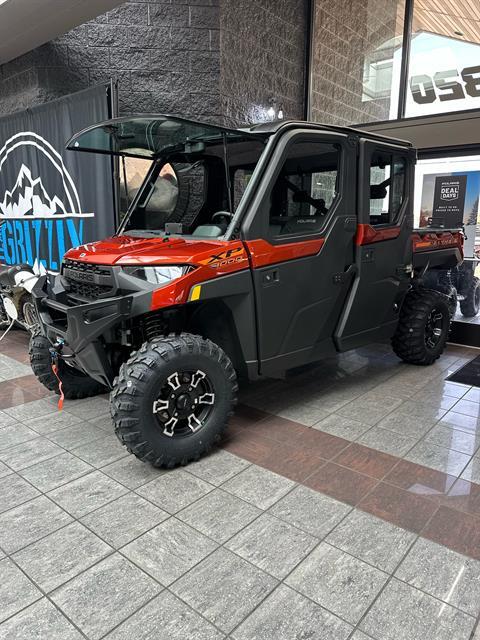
[
  {"x": 356, "y": 60},
  {"x": 162, "y": 197},
  {"x": 174, "y": 194},
  {"x": 387, "y": 187},
  {"x": 133, "y": 172},
  {"x": 241, "y": 178},
  {"x": 444, "y": 73},
  {"x": 304, "y": 191}
]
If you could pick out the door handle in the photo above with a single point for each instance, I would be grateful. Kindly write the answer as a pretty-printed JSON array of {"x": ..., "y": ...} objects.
[
  {"x": 368, "y": 255},
  {"x": 350, "y": 224},
  {"x": 270, "y": 277}
]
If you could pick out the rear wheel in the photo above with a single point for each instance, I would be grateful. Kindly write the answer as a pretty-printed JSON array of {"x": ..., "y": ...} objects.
[
  {"x": 75, "y": 383},
  {"x": 423, "y": 327},
  {"x": 172, "y": 400},
  {"x": 470, "y": 305}
]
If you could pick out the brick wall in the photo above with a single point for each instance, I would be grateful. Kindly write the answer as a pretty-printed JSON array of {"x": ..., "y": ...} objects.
[
  {"x": 214, "y": 59},
  {"x": 165, "y": 55},
  {"x": 262, "y": 57},
  {"x": 345, "y": 32}
]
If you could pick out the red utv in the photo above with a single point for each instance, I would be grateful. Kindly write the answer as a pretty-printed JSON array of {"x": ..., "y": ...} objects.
[{"x": 272, "y": 247}]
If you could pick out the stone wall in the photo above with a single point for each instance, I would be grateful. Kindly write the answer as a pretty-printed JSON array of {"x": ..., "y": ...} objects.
[
  {"x": 262, "y": 57},
  {"x": 165, "y": 55},
  {"x": 214, "y": 59}
]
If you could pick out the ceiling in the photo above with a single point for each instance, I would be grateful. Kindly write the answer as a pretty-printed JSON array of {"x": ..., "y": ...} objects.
[
  {"x": 447, "y": 16},
  {"x": 26, "y": 24}
]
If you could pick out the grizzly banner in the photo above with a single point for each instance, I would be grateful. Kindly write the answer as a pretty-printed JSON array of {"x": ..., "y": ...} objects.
[{"x": 52, "y": 199}]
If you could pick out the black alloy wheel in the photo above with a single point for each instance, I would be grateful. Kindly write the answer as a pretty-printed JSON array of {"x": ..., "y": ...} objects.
[
  {"x": 434, "y": 328},
  {"x": 423, "y": 327},
  {"x": 173, "y": 398},
  {"x": 185, "y": 403}
]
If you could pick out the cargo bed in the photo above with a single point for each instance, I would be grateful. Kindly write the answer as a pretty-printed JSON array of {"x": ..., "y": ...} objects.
[{"x": 437, "y": 248}]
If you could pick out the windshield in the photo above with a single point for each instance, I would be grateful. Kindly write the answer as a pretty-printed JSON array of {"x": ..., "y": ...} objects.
[
  {"x": 198, "y": 172},
  {"x": 194, "y": 193},
  {"x": 151, "y": 136}
]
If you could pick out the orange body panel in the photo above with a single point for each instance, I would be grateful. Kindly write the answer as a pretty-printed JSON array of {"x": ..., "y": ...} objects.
[
  {"x": 437, "y": 240},
  {"x": 262, "y": 253},
  {"x": 366, "y": 234},
  {"x": 211, "y": 259},
  {"x": 215, "y": 258}
]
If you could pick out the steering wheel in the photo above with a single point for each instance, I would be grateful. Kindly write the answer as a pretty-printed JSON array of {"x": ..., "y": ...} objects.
[{"x": 222, "y": 214}]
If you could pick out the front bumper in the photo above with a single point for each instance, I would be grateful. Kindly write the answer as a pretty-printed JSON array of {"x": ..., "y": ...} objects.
[{"x": 76, "y": 331}]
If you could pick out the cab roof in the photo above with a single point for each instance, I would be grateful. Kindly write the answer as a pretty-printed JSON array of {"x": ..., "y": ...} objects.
[{"x": 276, "y": 125}]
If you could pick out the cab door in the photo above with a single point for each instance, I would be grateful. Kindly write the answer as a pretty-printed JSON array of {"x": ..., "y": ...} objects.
[
  {"x": 300, "y": 239},
  {"x": 383, "y": 245}
]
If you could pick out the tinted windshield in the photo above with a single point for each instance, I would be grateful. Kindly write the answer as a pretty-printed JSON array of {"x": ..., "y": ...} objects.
[
  {"x": 149, "y": 137},
  {"x": 196, "y": 192}
]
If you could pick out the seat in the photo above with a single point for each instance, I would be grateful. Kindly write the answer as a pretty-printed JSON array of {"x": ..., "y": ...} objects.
[{"x": 7, "y": 273}]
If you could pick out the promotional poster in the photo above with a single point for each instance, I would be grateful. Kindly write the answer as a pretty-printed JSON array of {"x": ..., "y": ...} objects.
[
  {"x": 450, "y": 199},
  {"x": 52, "y": 199}
]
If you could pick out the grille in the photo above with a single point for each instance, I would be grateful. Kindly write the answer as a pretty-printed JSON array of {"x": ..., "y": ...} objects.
[
  {"x": 86, "y": 280},
  {"x": 85, "y": 290}
]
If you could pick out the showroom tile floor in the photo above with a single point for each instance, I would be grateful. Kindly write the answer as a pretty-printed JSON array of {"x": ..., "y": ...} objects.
[{"x": 343, "y": 504}]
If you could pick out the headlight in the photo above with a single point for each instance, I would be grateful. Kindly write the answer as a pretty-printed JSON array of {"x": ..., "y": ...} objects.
[{"x": 158, "y": 275}]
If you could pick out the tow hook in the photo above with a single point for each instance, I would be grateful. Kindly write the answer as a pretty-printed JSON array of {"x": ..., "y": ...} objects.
[{"x": 55, "y": 353}]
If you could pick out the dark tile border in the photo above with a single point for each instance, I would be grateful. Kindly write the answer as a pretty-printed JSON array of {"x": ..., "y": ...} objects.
[{"x": 435, "y": 505}]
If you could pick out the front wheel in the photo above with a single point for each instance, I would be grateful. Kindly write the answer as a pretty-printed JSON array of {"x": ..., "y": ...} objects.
[
  {"x": 423, "y": 327},
  {"x": 172, "y": 399},
  {"x": 4, "y": 317}
]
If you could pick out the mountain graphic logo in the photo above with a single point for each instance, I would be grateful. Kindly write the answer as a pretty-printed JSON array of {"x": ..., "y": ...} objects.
[{"x": 29, "y": 197}]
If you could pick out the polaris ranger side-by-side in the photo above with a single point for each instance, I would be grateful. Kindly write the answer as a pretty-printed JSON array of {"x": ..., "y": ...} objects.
[{"x": 246, "y": 252}]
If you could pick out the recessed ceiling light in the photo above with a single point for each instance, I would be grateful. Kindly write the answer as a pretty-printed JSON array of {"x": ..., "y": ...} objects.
[{"x": 458, "y": 33}]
